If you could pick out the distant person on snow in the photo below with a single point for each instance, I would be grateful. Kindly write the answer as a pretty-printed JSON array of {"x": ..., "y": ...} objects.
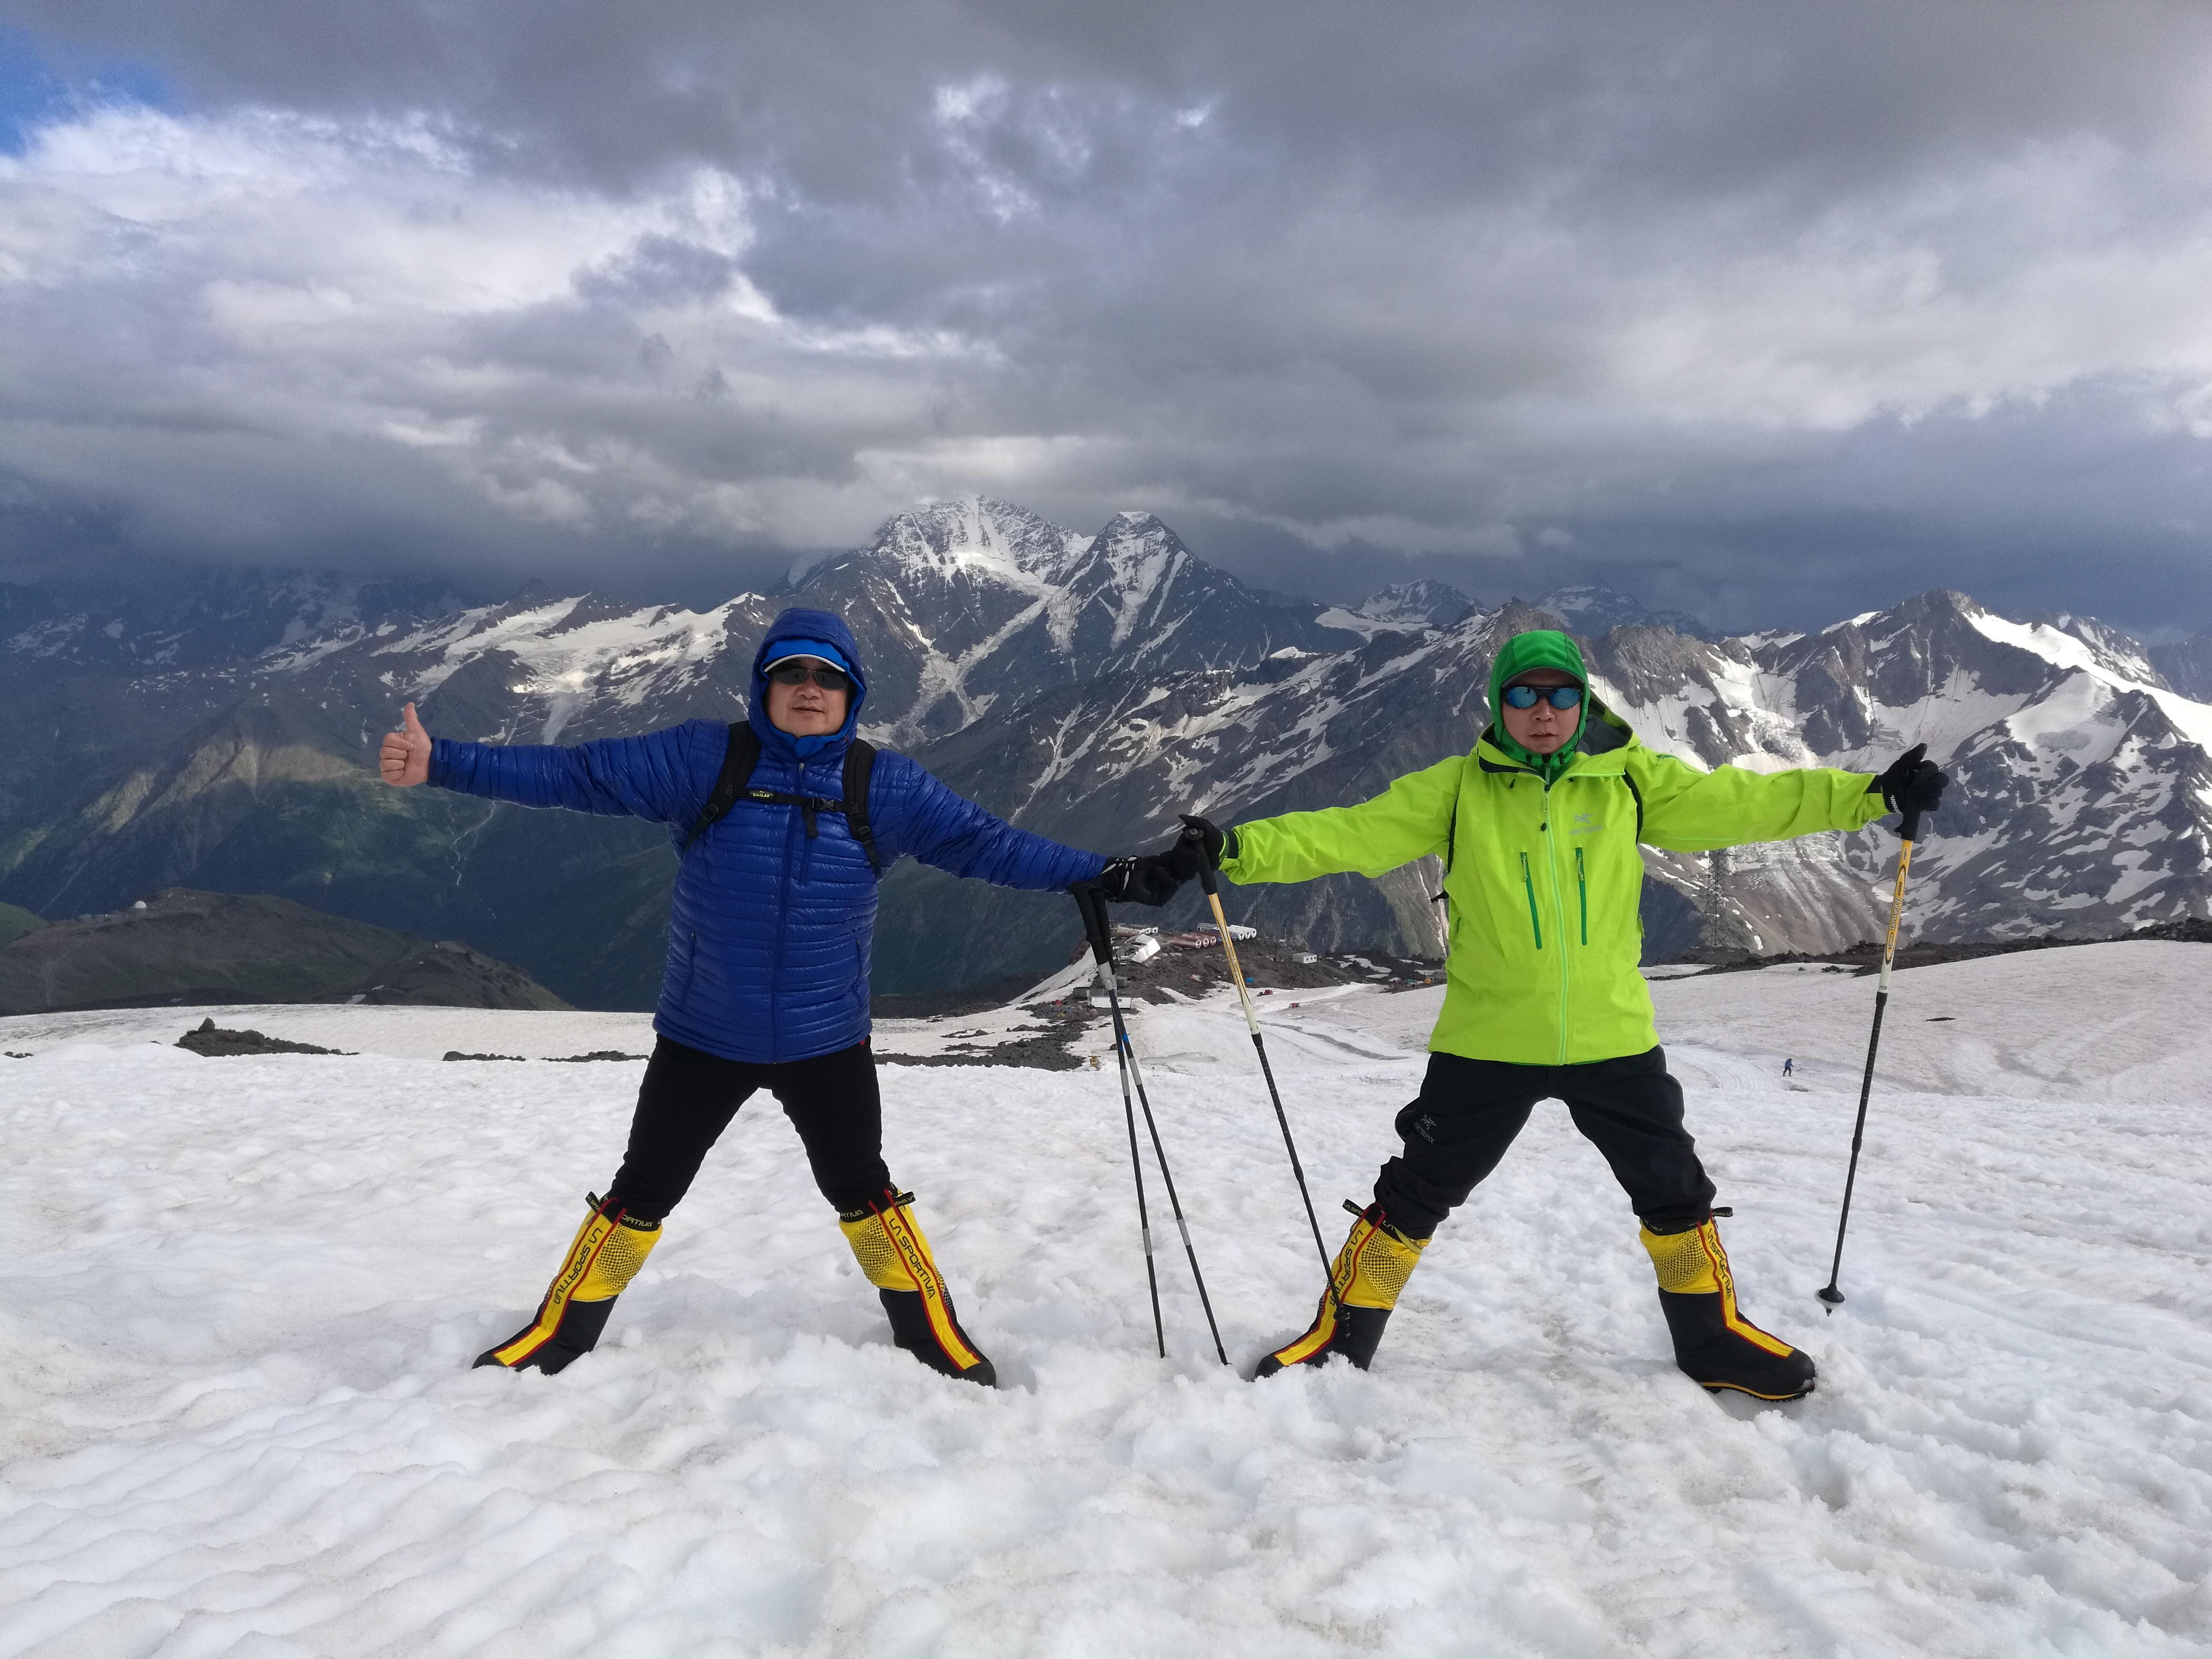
[
  {"x": 783, "y": 824},
  {"x": 1788, "y": 1065},
  {"x": 1538, "y": 828}
]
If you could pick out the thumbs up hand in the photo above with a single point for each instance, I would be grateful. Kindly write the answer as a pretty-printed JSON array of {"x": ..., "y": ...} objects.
[{"x": 405, "y": 760}]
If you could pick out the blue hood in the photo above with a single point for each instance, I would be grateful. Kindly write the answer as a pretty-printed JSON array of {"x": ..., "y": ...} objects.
[{"x": 801, "y": 624}]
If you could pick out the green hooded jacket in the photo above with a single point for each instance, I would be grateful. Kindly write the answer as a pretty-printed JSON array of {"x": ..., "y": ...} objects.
[{"x": 1542, "y": 876}]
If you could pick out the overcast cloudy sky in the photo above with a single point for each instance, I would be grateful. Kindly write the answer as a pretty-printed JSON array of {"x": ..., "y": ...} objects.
[{"x": 1776, "y": 312}]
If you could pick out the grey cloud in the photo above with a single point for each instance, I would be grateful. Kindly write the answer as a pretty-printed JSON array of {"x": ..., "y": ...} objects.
[
  {"x": 1768, "y": 309},
  {"x": 658, "y": 270},
  {"x": 1430, "y": 95}
]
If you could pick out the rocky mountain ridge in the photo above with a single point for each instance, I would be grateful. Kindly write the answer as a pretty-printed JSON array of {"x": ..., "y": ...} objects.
[
  {"x": 201, "y": 618},
  {"x": 180, "y": 948},
  {"x": 2186, "y": 665}
]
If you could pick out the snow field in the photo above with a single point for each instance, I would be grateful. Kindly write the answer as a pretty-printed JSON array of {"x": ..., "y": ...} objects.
[
  {"x": 238, "y": 1299},
  {"x": 2085, "y": 1022}
]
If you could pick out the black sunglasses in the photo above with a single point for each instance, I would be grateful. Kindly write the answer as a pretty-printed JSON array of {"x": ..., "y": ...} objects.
[
  {"x": 798, "y": 673},
  {"x": 1526, "y": 696}
]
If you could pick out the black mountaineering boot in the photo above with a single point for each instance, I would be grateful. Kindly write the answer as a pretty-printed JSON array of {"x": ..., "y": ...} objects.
[
  {"x": 1714, "y": 1343},
  {"x": 604, "y": 1257},
  {"x": 889, "y": 1244},
  {"x": 1363, "y": 1287}
]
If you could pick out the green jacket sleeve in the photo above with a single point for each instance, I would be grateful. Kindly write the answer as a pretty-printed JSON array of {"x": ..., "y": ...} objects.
[
  {"x": 1409, "y": 820},
  {"x": 1686, "y": 811}
]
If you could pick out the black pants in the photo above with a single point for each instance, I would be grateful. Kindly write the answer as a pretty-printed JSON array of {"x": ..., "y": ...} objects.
[
  {"x": 688, "y": 1097},
  {"x": 1469, "y": 1110}
]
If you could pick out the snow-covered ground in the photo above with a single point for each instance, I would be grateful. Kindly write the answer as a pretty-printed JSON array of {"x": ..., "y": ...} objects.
[{"x": 238, "y": 1296}]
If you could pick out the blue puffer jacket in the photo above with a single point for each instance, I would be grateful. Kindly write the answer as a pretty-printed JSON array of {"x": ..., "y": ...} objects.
[{"x": 769, "y": 931}]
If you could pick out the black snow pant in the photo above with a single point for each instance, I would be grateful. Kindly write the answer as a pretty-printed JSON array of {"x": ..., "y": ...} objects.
[
  {"x": 1469, "y": 1111},
  {"x": 689, "y": 1098}
]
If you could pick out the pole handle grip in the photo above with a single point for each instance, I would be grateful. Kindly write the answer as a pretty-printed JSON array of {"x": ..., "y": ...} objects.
[
  {"x": 1096, "y": 926},
  {"x": 1910, "y": 829},
  {"x": 1208, "y": 877}
]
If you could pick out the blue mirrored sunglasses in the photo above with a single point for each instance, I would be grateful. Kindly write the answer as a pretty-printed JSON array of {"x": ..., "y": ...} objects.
[
  {"x": 796, "y": 670},
  {"x": 1560, "y": 697}
]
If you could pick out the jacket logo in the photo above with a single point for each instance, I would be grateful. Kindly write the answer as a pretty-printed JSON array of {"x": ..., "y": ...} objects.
[{"x": 1584, "y": 823}]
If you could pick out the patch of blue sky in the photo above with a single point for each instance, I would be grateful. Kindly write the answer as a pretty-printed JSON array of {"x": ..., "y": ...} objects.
[{"x": 42, "y": 82}]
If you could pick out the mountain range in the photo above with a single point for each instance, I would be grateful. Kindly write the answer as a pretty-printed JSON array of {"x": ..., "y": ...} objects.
[
  {"x": 178, "y": 948},
  {"x": 1089, "y": 687}
]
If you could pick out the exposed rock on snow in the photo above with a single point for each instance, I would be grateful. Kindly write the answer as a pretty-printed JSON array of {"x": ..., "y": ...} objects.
[
  {"x": 1062, "y": 1022},
  {"x": 215, "y": 1041}
]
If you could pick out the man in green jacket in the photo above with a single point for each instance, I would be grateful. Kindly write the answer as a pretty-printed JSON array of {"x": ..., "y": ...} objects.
[{"x": 1539, "y": 829}]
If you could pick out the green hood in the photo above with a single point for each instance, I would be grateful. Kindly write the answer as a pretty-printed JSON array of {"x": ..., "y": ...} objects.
[{"x": 1540, "y": 648}]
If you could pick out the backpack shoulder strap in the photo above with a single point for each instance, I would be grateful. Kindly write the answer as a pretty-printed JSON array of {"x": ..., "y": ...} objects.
[
  {"x": 1451, "y": 846},
  {"x": 860, "y": 767},
  {"x": 1451, "y": 828},
  {"x": 738, "y": 762},
  {"x": 744, "y": 755}
]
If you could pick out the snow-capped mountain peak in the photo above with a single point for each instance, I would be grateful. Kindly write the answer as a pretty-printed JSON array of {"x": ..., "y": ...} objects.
[
  {"x": 980, "y": 536},
  {"x": 2117, "y": 652},
  {"x": 2085, "y": 645},
  {"x": 1142, "y": 559},
  {"x": 959, "y": 604},
  {"x": 1591, "y": 608},
  {"x": 1423, "y": 604}
]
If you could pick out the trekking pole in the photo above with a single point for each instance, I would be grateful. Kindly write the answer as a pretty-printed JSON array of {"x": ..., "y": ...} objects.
[
  {"x": 1098, "y": 926},
  {"x": 1209, "y": 881},
  {"x": 1906, "y": 835},
  {"x": 1101, "y": 952}
]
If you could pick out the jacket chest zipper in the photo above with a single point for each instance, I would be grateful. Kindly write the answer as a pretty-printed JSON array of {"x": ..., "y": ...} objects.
[
  {"x": 1529, "y": 886},
  {"x": 1559, "y": 908},
  {"x": 1582, "y": 893},
  {"x": 782, "y": 922}
]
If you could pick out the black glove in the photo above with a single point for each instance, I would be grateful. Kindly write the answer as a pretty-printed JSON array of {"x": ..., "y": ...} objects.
[
  {"x": 1151, "y": 879},
  {"x": 1913, "y": 783},
  {"x": 1201, "y": 848}
]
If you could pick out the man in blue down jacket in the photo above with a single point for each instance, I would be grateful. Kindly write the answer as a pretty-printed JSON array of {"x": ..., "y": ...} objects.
[{"x": 766, "y": 978}]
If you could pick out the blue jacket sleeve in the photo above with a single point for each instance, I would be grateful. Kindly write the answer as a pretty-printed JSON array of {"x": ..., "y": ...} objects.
[
  {"x": 649, "y": 777},
  {"x": 954, "y": 834}
]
